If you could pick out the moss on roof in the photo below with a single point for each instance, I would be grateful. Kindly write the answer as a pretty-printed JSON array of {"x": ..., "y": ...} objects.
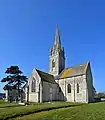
[{"x": 74, "y": 71}]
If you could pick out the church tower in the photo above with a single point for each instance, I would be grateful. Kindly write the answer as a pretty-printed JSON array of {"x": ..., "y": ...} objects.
[{"x": 57, "y": 57}]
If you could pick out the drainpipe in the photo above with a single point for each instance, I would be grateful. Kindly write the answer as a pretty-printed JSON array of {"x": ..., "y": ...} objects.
[
  {"x": 65, "y": 89},
  {"x": 40, "y": 92},
  {"x": 27, "y": 92},
  {"x": 74, "y": 89}
]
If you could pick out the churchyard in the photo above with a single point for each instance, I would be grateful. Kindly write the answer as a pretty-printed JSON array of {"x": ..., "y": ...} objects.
[
  {"x": 52, "y": 111},
  {"x": 13, "y": 110}
]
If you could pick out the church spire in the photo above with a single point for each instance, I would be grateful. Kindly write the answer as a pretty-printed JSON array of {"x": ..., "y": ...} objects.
[
  {"x": 57, "y": 57},
  {"x": 57, "y": 37}
]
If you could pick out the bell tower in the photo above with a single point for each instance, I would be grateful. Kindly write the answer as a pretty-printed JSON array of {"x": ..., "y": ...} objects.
[{"x": 57, "y": 57}]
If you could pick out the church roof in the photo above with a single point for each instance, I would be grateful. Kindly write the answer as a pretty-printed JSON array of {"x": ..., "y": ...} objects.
[
  {"x": 74, "y": 71},
  {"x": 46, "y": 77}
]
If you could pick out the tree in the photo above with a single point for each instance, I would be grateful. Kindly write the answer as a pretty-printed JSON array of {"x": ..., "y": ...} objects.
[
  {"x": 14, "y": 79},
  {"x": 101, "y": 95}
]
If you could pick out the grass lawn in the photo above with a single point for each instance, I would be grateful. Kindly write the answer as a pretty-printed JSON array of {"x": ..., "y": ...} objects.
[
  {"x": 93, "y": 111},
  {"x": 10, "y": 112},
  {"x": 4, "y": 104}
]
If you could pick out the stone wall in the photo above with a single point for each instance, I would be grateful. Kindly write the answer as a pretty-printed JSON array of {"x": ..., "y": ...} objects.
[
  {"x": 34, "y": 96},
  {"x": 73, "y": 96},
  {"x": 46, "y": 91},
  {"x": 49, "y": 91},
  {"x": 90, "y": 85}
]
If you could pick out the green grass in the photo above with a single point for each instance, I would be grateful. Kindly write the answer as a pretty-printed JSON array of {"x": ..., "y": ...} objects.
[
  {"x": 10, "y": 112},
  {"x": 9, "y": 105},
  {"x": 2, "y": 101},
  {"x": 93, "y": 111},
  {"x": 4, "y": 104}
]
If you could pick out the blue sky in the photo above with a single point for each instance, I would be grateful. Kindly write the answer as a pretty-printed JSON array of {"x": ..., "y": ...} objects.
[{"x": 27, "y": 30}]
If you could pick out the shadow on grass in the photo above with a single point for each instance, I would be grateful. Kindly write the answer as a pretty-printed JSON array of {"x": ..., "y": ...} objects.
[
  {"x": 9, "y": 106},
  {"x": 44, "y": 109}
]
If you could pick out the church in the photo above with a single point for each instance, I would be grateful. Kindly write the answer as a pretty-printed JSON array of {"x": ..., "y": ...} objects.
[{"x": 72, "y": 84}]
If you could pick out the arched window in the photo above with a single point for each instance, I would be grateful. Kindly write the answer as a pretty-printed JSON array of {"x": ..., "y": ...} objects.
[
  {"x": 33, "y": 85},
  {"x": 59, "y": 89},
  {"x": 53, "y": 64},
  {"x": 69, "y": 88},
  {"x": 77, "y": 88}
]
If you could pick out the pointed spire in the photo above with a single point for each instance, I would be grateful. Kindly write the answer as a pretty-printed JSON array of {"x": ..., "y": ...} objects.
[{"x": 57, "y": 37}]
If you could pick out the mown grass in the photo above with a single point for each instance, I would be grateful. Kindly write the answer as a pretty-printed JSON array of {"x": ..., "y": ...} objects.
[
  {"x": 10, "y": 112},
  {"x": 8, "y": 105},
  {"x": 93, "y": 111},
  {"x": 4, "y": 104},
  {"x": 2, "y": 101}
]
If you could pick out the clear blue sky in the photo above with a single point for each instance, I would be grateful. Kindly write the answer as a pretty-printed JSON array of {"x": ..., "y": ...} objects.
[{"x": 27, "y": 30}]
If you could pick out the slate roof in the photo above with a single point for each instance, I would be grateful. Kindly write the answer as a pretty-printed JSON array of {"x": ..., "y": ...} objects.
[
  {"x": 74, "y": 71},
  {"x": 46, "y": 77}
]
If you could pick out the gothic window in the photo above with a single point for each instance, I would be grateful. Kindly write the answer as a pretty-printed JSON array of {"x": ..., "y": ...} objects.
[
  {"x": 77, "y": 88},
  {"x": 33, "y": 85},
  {"x": 69, "y": 88},
  {"x": 59, "y": 89},
  {"x": 53, "y": 64},
  {"x": 51, "y": 51}
]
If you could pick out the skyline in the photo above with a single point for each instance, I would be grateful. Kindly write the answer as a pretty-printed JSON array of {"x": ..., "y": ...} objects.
[{"x": 27, "y": 31}]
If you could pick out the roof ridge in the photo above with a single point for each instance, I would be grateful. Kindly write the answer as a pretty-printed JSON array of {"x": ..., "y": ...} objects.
[
  {"x": 46, "y": 76},
  {"x": 77, "y": 65},
  {"x": 43, "y": 72},
  {"x": 74, "y": 70}
]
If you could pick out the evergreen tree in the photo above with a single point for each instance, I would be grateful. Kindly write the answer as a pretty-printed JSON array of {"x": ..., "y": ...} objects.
[{"x": 15, "y": 79}]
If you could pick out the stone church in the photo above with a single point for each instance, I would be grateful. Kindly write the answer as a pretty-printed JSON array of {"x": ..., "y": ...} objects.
[{"x": 72, "y": 84}]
